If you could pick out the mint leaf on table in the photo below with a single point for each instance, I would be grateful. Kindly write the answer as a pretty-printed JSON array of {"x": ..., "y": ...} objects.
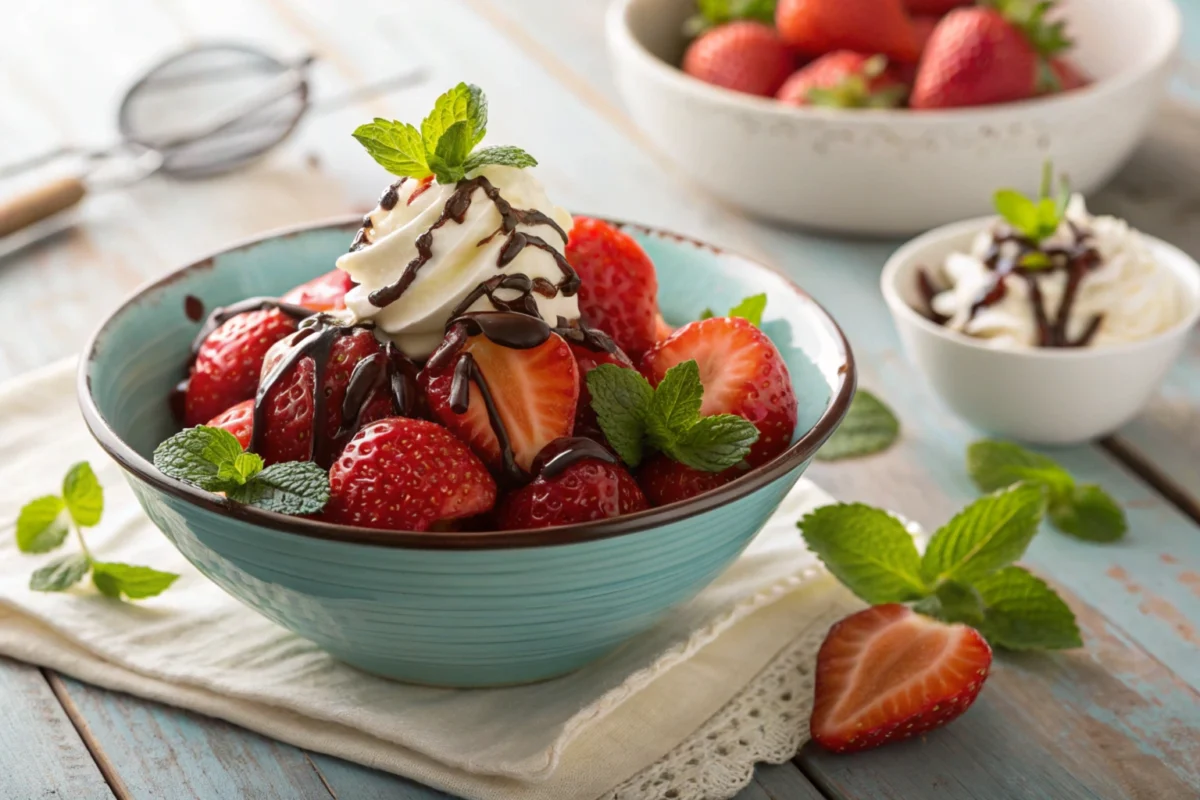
[
  {"x": 954, "y": 602},
  {"x": 41, "y": 526},
  {"x": 635, "y": 416},
  {"x": 295, "y": 487},
  {"x": 136, "y": 583},
  {"x": 61, "y": 574},
  {"x": 869, "y": 427},
  {"x": 749, "y": 308},
  {"x": 868, "y": 550},
  {"x": 82, "y": 495},
  {"x": 1024, "y": 613},
  {"x": 987, "y": 535},
  {"x": 1086, "y": 512}
]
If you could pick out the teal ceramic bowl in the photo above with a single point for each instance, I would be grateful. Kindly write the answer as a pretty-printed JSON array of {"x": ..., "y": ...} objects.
[{"x": 451, "y": 609}]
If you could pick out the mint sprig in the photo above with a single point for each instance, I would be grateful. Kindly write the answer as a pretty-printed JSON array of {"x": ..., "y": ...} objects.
[
  {"x": 750, "y": 308},
  {"x": 711, "y": 13},
  {"x": 212, "y": 459},
  {"x": 1084, "y": 511},
  {"x": 446, "y": 144},
  {"x": 43, "y": 525},
  {"x": 966, "y": 573},
  {"x": 636, "y": 416},
  {"x": 1035, "y": 218},
  {"x": 869, "y": 427}
]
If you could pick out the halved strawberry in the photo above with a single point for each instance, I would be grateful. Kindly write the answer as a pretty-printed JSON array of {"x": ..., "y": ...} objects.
[
  {"x": 665, "y": 480},
  {"x": 661, "y": 328},
  {"x": 238, "y": 420},
  {"x": 742, "y": 372},
  {"x": 533, "y": 391},
  {"x": 289, "y": 431},
  {"x": 618, "y": 286},
  {"x": 587, "y": 490},
  {"x": 591, "y": 348},
  {"x": 227, "y": 366},
  {"x": 406, "y": 475},
  {"x": 323, "y": 293},
  {"x": 888, "y": 673}
]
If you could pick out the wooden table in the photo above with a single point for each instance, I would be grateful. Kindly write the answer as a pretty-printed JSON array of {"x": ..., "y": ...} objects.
[{"x": 1118, "y": 719}]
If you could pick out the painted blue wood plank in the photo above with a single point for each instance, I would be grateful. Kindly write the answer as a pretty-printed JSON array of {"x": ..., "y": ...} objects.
[
  {"x": 41, "y": 754},
  {"x": 350, "y": 781}
]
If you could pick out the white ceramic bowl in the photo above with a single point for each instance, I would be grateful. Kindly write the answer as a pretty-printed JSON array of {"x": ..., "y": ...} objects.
[
  {"x": 1038, "y": 395},
  {"x": 893, "y": 171}
]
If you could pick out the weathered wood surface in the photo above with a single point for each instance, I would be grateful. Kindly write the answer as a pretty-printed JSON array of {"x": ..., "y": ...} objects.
[{"x": 1117, "y": 720}]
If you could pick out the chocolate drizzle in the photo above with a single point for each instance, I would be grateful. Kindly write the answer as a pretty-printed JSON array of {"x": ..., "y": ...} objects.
[
  {"x": 561, "y": 454},
  {"x": 193, "y": 308},
  {"x": 592, "y": 338}
]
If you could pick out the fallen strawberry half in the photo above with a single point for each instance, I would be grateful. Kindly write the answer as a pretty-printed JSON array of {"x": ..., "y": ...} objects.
[{"x": 889, "y": 673}]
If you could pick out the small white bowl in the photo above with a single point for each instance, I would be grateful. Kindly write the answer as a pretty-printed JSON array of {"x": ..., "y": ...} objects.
[
  {"x": 1038, "y": 395},
  {"x": 893, "y": 171}
]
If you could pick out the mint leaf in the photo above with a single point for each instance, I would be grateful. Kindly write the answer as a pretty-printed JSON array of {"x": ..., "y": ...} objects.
[
  {"x": 869, "y": 427},
  {"x": 395, "y": 146},
  {"x": 295, "y": 487},
  {"x": 1018, "y": 211},
  {"x": 60, "y": 574},
  {"x": 621, "y": 397},
  {"x": 706, "y": 314},
  {"x": 82, "y": 495},
  {"x": 1023, "y": 613},
  {"x": 675, "y": 406},
  {"x": 995, "y": 465},
  {"x": 114, "y": 579},
  {"x": 751, "y": 308},
  {"x": 714, "y": 443},
  {"x": 1088, "y": 512},
  {"x": 464, "y": 103},
  {"x": 452, "y": 151},
  {"x": 202, "y": 456},
  {"x": 40, "y": 525},
  {"x": 954, "y": 602},
  {"x": 244, "y": 467},
  {"x": 868, "y": 550},
  {"x": 504, "y": 155},
  {"x": 987, "y": 535}
]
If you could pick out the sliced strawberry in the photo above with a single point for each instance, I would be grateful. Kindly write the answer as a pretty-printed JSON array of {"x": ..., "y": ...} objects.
[
  {"x": 587, "y": 490},
  {"x": 591, "y": 348},
  {"x": 407, "y": 475},
  {"x": 661, "y": 329},
  {"x": 743, "y": 374},
  {"x": 743, "y": 56},
  {"x": 289, "y": 431},
  {"x": 667, "y": 481},
  {"x": 888, "y": 673},
  {"x": 534, "y": 392},
  {"x": 324, "y": 293},
  {"x": 238, "y": 420},
  {"x": 619, "y": 290},
  {"x": 228, "y": 363}
]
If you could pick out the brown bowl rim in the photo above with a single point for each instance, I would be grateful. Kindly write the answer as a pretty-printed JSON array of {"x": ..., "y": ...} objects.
[{"x": 797, "y": 454}]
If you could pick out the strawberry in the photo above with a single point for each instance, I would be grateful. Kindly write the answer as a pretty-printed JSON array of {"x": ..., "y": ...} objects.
[
  {"x": 591, "y": 348},
  {"x": 742, "y": 373},
  {"x": 1068, "y": 75},
  {"x": 661, "y": 329},
  {"x": 228, "y": 362},
  {"x": 666, "y": 481},
  {"x": 743, "y": 56},
  {"x": 534, "y": 392},
  {"x": 924, "y": 25},
  {"x": 816, "y": 27},
  {"x": 406, "y": 475},
  {"x": 238, "y": 420},
  {"x": 323, "y": 293},
  {"x": 844, "y": 79},
  {"x": 888, "y": 673},
  {"x": 981, "y": 55},
  {"x": 619, "y": 289},
  {"x": 289, "y": 431},
  {"x": 934, "y": 8},
  {"x": 587, "y": 490}
]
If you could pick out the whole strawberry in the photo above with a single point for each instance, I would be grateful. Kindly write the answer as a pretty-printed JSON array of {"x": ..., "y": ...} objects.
[
  {"x": 584, "y": 491},
  {"x": 844, "y": 79},
  {"x": 743, "y": 56},
  {"x": 324, "y": 293},
  {"x": 666, "y": 481},
  {"x": 228, "y": 362},
  {"x": 934, "y": 7},
  {"x": 816, "y": 27},
  {"x": 618, "y": 286},
  {"x": 406, "y": 475},
  {"x": 238, "y": 420},
  {"x": 742, "y": 373}
]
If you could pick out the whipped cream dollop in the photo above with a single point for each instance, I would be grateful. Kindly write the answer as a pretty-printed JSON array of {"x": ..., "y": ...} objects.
[
  {"x": 465, "y": 250},
  {"x": 1131, "y": 295}
]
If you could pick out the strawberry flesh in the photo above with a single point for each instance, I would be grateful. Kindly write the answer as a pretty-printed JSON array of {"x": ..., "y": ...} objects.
[
  {"x": 888, "y": 673},
  {"x": 238, "y": 420},
  {"x": 324, "y": 293}
]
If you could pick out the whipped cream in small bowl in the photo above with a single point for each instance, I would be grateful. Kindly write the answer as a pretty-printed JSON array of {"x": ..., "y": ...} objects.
[{"x": 1058, "y": 347}]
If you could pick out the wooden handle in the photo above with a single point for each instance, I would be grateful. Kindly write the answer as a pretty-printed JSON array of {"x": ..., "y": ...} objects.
[{"x": 40, "y": 203}]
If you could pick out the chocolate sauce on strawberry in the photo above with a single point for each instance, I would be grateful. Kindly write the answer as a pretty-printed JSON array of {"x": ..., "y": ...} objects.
[
  {"x": 581, "y": 334},
  {"x": 562, "y": 454}
]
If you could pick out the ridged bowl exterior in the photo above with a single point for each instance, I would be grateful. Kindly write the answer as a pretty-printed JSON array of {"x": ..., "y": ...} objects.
[{"x": 460, "y": 616}]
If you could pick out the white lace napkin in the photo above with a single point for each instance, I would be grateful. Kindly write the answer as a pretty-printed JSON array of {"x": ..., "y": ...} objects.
[{"x": 723, "y": 683}]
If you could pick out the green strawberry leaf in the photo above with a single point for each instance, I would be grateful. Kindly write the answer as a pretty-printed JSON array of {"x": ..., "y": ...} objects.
[
  {"x": 1088, "y": 512},
  {"x": 869, "y": 427},
  {"x": 60, "y": 574},
  {"x": 114, "y": 580},
  {"x": 714, "y": 443},
  {"x": 868, "y": 550},
  {"x": 621, "y": 398},
  {"x": 82, "y": 495},
  {"x": 1023, "y": 613},
  {"x": 41, "y": 526},
  {"x": 986, "y": 536},
  {"x": 295, "y": 487},
  {"x": 503, "y": 155},
  {"x": 711, "y": 13},
  {"x": 395, "y": 146}
]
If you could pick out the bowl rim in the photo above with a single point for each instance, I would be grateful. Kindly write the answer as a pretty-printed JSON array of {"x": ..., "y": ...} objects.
[
  {"x": 911, "y": 252},
  {"x": 620, "y": 34},
  {"x": 795, "y": 456}
]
